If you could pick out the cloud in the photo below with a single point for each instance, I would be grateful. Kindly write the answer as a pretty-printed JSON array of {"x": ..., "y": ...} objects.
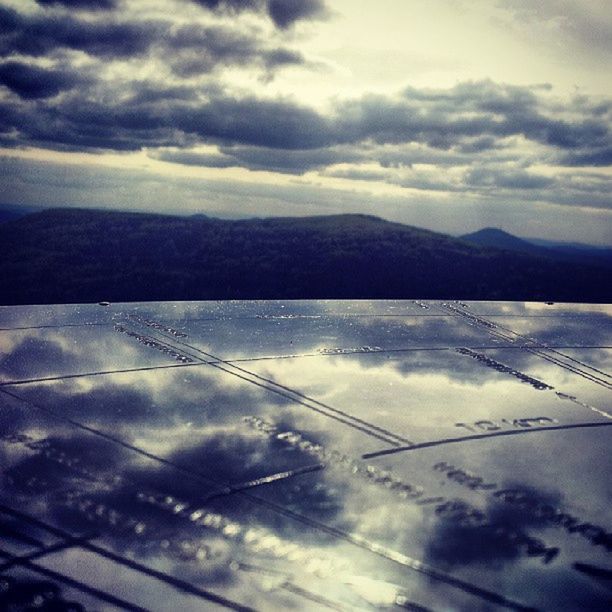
[
  {"x": 285, "y": 124},
  {"x": 507, "y": 179},
  {"x": 38, "y": 35},
  {"x": 232, "y": 6},
  {"x": 296, "y": 161},
  {"x": 598, "y": 157},
  {"x": 87, "y": 5},
  {"x": 259, "y": 158},
  {"x": 587, "y": 24},
  {"x": 357, "y": 174},
  {"x": 197, "y": 49},
  {"x": 469, "y": 111},
  {"x": 206, "y": 160},
  {"x": 173, "y": 82},
  {"x": 284, "y": 13},
  {"x": 32, "y": 82},
  {"x": 189, "y": 50}
]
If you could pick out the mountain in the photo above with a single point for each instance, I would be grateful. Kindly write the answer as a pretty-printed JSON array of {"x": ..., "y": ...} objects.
[
  {"x": 559, "y": 251},
  {"x": 9, "y": 212},
  {"x": 72, "y": 255},
  {"x": 559, "y": 244},
  {"x": 497, "y": 238}
]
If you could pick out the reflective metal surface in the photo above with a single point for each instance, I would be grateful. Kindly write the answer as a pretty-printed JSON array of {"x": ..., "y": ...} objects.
[{"x": 306, "y": 455}]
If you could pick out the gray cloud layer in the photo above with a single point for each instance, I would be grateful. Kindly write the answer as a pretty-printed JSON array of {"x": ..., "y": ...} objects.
[{"x": 56, "y": 94}]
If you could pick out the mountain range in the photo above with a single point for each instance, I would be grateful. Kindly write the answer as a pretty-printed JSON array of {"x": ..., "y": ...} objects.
[
  {"x": 84, "y": 255},
  {"x": 562, "y": 251}
]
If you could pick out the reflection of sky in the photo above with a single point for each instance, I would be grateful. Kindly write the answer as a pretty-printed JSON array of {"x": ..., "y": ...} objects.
[
  {"x": 592, "y": 330},
  {"x": 422, "y": 394},
  {"x": 12, "y": 317},
  {"x": 495, "y": 556},
  {"x": 584, "y": 377},
  {"x": 161, "y": 544},
  {"x": 535, "y": 309},
  {"x": 266, "y": 546},
  {"x": 38, "y": 353},
  {"x": 249, "y": 338},
  {"x": 179, "y": 311}
]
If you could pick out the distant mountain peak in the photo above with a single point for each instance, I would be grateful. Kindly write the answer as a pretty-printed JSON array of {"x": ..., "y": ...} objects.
[{"x": 500, "y": 239}]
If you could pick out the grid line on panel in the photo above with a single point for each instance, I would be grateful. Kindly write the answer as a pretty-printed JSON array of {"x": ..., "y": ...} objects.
[
  {"x": 353, "y": 539},
  {"x": 106, "y": 436},
  {"x": 338, "y": 415},
  {"x": 300, "y": 317},
  {"x": 401, "y": 350},
  {"x": 13, "y": 383},
  {"x": 225, "y": 488},
  {"x": 532, "y": 346},
  {"x": 596, "y": 379},
  {"x": 395, "y": 557},
  {"x": 43, "y": 552},
  {"x": 76, "y": 584},
  {"x": 125, "y": 561},
  {"x": 553, "y": 348},
  {"x": 296, "y": 396},
  {"x": 314, "y": 597},
  {"x": 494, "y": 434},
  {"x": 346, "y": 419},
  {"x": 14, "y": 534},
  {"x": 58, "y": 326}
]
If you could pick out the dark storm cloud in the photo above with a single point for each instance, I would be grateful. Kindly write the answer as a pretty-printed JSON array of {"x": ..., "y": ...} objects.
[
  {"x": 477, "y": 145},
  {"x": 229, "y": 5},
  {"x": 290, "y": 161},
  {"x": 190, "y": 50},
  {"x": 197, "y": 49},
  {"x": 282, "y": 57},
  {"x": 41, "y": 35},
  {"x": 269, "y": 123},
  {"x": 31, "y": 82},
  {"x": 146, "y": 93},
  {"x": 457, "y": 131},
  {"x": 600, "y": 157},
  {"x": 467, "y": 125},
  {"x": 284, "y": 13},
  {"x": 446, "y": 118},
  {"x": 274, "y": 124},
  {"x": 88, "y": 5}
]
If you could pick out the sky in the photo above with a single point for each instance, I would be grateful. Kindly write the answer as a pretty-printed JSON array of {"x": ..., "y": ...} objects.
[{"x": 447, "y": 114}]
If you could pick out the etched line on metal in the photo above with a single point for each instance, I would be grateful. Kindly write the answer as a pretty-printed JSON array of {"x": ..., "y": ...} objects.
[
  {"x": 362, "y": 423},
  {"x": 98, "y": 550},
  {"x": 534, "y": 346},
  {"x": 100, "y": 373},
  {"x": 495, "y": 434},
  {"x": 25, "y": 559},
  {"x": 54, "y": 326},
  {"x": 81, "y": 586},
  {"x": 396, "y": 557}
]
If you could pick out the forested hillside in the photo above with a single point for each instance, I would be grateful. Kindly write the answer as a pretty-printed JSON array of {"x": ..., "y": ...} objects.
[{"x": 73, "y": 255}]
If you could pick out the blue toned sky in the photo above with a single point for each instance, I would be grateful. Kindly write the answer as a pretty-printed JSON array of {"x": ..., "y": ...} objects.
[{"x": 446, "y": 114}]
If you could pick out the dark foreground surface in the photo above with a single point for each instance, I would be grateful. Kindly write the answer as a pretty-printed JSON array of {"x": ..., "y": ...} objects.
[{"x": 331, "y": 455}]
